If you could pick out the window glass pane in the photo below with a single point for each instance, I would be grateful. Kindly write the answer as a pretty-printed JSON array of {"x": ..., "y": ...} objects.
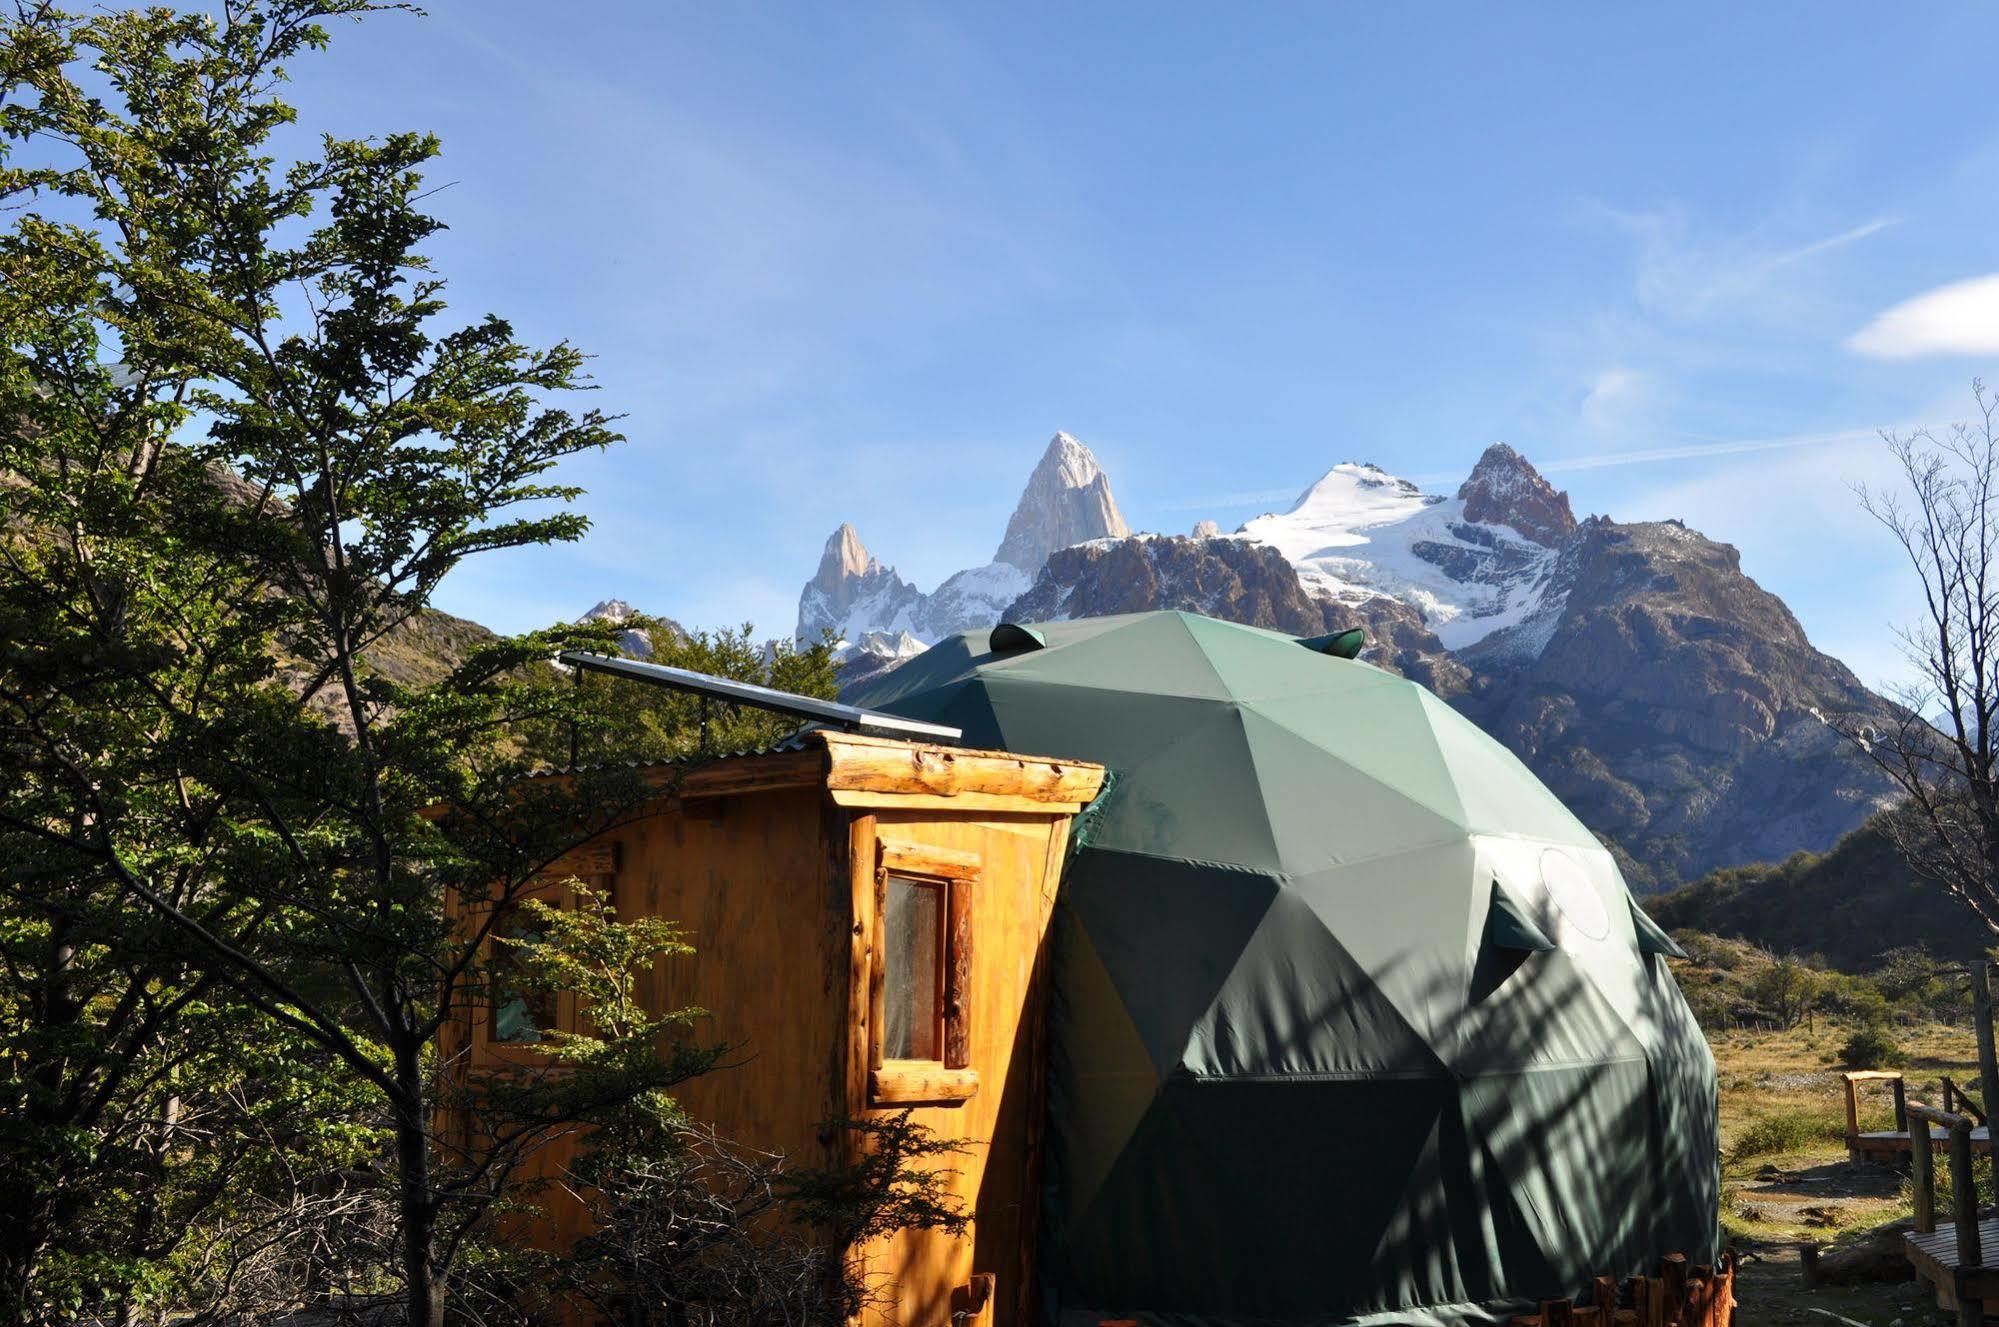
[
  {"x": 912, "y": 971},
  {"x": 521, "y": 1015}
]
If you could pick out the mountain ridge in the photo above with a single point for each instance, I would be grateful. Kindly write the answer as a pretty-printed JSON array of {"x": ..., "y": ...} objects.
[{"x": 1674, "y": 703}]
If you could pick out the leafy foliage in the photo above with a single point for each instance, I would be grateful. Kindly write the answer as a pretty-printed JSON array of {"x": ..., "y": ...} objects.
[
  {"x": 636, "y": 722},
  {"x": 241, "y": 448},
  {"x": 691, "y": 1228}
]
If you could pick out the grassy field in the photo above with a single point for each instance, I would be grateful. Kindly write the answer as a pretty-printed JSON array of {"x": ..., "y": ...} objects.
[{"x": 1785, "y": 1177}]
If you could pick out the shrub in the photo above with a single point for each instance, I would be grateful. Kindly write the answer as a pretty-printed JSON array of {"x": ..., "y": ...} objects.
[
  {"x": 1872, "y": 1047},
  {"x": 1787, "y": 1131}
]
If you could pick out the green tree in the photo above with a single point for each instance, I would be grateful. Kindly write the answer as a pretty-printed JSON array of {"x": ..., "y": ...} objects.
[
  {"x": 635, "y": 721},
  {"x": 242, "y": 447}
]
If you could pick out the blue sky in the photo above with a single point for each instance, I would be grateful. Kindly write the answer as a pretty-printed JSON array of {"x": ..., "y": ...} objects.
[{"x": 846, "y": 262}]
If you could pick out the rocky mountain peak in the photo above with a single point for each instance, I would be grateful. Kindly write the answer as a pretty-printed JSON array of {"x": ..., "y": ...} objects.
[
  {"x": 1067, "y": 501},
  {"x": 845, "y": 556},
  {"x": 636, "y": 642},
  {"x": 1505, "y": 489}
]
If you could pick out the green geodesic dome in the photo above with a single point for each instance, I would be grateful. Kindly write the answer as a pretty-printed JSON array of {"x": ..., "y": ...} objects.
[{"x": 1352, "y": 1019}]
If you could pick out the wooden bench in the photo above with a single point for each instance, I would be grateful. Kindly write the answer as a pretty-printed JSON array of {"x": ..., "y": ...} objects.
[
  {"x": 1890, "y": 1146},
  {"x": 1951, "y": 1256}
]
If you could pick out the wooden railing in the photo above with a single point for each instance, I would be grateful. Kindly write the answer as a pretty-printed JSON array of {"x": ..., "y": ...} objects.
[
  {"x": 1680, "y": 1296},
  {"x": 1963, "y": 1190}
]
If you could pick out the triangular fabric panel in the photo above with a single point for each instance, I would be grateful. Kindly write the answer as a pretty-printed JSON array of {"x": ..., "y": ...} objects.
[
  {"x": 1169, "y": 934},
  {"x": 1101, "y": 1078},
  {"x": 1297, "y": 1005}
]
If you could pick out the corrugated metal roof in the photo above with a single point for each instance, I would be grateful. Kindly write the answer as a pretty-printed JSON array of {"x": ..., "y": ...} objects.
[{"x": 796, "y": 741}]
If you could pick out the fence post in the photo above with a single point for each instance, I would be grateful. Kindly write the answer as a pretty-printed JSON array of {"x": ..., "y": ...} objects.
[
  {"x": 1923, "y": 1175},
  {"x": 1988, "y": 1063}
]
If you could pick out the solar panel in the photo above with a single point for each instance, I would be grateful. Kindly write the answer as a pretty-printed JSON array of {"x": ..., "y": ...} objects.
[{"x": 831, "y": 713}]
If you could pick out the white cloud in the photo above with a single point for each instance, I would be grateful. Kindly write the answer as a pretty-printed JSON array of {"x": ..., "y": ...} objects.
[
  {"x": 1959, "y": 319},
  {"x": 1615, "y": 396}
]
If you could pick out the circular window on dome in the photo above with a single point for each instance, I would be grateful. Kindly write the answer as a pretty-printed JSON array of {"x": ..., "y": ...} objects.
[{"x": 1569, "y": 885}]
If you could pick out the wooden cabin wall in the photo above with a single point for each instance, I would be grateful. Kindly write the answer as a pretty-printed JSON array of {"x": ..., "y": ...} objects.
[
  {"x": 999, "y": 1179},
  {"x": 753, "y": 881},
  {"x": 759, "y": 883}
]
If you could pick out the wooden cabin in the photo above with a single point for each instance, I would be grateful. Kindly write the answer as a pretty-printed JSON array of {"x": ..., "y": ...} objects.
[{"x": 870, "y": 918}]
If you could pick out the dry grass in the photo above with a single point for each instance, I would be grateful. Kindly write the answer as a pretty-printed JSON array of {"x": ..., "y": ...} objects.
[{"x": 1785, "y": 1177}]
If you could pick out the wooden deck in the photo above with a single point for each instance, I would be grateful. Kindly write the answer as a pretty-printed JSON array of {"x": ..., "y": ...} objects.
[
  {"x": 1895, "y": 1142},
  {"x": 1936, "y": 1260}
]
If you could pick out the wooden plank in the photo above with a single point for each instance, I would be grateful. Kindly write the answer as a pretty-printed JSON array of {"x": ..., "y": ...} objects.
[
  {"x": 1964, "y": 1199},
  {"x": 744, "y": 774},
  {"x": 958, "y": 975},
  {"x": 1852, "y": 1118},
  {"x": 916, "y": 1082},
  {"x": 905, "y": 767},
  {"x": 958, "y": 802},
  {"x": 929, "y": 859},
  {"x": 860, "y": 868},
  {"x": 598, "y": 857},
  {"x": 1638, "y": 1288}
]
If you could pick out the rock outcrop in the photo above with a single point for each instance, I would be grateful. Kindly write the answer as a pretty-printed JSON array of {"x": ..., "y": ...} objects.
[
  {"x": 1503, "y": 489},
  {"x": 1068, "y": 501},
  {"x": 1231, "y": 579},
  {"x": 1677, "y": 705}
]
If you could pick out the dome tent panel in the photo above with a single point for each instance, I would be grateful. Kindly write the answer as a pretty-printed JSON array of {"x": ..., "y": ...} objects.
[
  {"x": 1576, "y": 896},
  {"x": 1250, "y": 1200},
  {"x": 1144, "y": 916},
  {"x": 1420, "y": 969},
  {"x": 1388, "y": 740},
  {"x": 1297, "y": 1170},
  {"x": 1259, "y": 664},
  {"x": 1297, "y": 1005},
  {"x": 1499, "y": 794},
  {"x": 1190, "y": 790},
  {"x": 1149, "y": 656},
  {"x": 1101, "y": 1077},
  {"x": 1326, "y": 812}
]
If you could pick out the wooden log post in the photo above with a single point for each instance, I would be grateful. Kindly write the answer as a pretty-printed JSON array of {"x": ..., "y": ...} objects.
[
  {"x": 1964, "y": 1197},
  {"x": 1808, "y": 1265},
  {"x": 1673, "y": 1272},
  {"x": 1557, "y": 1313},
  {"x": 1923, "y": 1175},
  {"x": 1700, "y": 1297},
  {"x": 958, "y": 977},
  {"x": 1603, "y": 1294},
  {"x": 1988, "y": 1062},
  {"x": 1852, "y": 1119},
  {"x": 1901, "y": 1091}
]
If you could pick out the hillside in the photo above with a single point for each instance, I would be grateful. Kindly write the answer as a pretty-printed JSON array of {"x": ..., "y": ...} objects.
[{"x": 1848, "y": 905}]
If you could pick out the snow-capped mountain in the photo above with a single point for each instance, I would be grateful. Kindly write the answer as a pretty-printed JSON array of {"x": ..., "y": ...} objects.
[
  {"x": 867, "y": 606},
  {"x": 1675, "y": 704},
  {"x": 1360, "y": 532},
  {"x": 636, "y": 642}
]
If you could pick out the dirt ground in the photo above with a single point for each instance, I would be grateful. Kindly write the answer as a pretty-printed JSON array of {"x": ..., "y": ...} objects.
[{"x": 1786, "y": 1180}]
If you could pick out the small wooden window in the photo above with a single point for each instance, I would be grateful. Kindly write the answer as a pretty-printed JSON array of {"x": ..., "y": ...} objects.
[
  {"x": 913, "y": 978},
  {"x": 522, "y": 1015},
  {"x": 514, "y": 1023},
  {"x": 920, "y": 984}
]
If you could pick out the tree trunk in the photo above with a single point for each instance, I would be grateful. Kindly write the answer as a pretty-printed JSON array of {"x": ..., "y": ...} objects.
[{"x": 423, "y": 1279}]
